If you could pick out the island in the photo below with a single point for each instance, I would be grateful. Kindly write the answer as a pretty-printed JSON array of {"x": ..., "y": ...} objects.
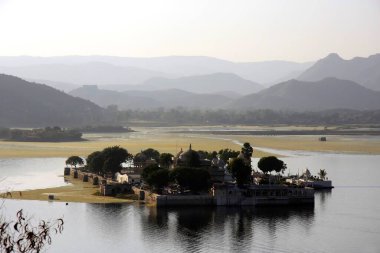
[
  {"x": 47, "y": 134},
  {"x": 190, "y": 177}
]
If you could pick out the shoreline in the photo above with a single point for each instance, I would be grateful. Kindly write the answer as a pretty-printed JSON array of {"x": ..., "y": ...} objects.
[
  {"x": 77, "y": 191},
  {"x": 173, "y": 143}
]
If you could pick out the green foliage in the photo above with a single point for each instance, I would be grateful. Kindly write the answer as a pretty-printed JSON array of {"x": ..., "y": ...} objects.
[
  {"x": 74, "y": 161},
  {"x": 203, "y": 154},
  {"x": 166, "y": 159},
  {"x": 240, "y": 171},
  {"x": 148, "y": 170},
  {"x": 262, "y": 116},
  {"x": 226, "y": 154},
  {"x": 47, "y": 134},
  {"x": 158, "y": 178},
  {"x": 95, "y": 162},
  {"x": 322, "y": 174},
  {"x": 193, "y": 179},
  {"x": 113, "y": 158},
  {"x": 155, "y": 176},
  {"x": 247, "y": 151},
  {"x": 151, "y": 154},
  {"x": 271, "y": 163},
  {"x": 108, "y": 160}
]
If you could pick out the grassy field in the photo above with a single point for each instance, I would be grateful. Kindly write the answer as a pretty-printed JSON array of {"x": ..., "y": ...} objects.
[
  {"x": 336, "y": 144},
  {"x": 173, "y": 142},
  {"x": 78, "y": 191},
  {"x": 163, "y": 142}
]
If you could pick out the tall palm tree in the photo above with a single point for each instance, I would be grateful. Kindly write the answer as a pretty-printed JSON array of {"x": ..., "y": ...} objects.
[{"x": 322, "y": 174}]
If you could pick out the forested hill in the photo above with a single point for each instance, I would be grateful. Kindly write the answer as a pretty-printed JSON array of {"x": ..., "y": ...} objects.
[{"x": 29, "y": 104}]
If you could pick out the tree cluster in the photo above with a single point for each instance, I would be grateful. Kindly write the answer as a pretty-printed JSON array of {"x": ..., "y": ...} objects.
[
  {"x": 265, "y": 117},
  {"x": 192, "y": 179},
  {"x": 241, "y": 171},
  {"x": 109, "y": 160},
  {"x": 271, "y": 163}
]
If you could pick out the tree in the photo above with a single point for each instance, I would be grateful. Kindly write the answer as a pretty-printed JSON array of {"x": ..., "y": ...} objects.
[
  {"x": 322, "y": 174},
  {"x": 74, "y": 161},
  {"x": 108, "y": 160},
  {"x": 194, "y": 179},
  {"x": 240, "y": 171},
  {"x": 226, "y": 154},
  {"x": 152, "y": 154},
  {"x": 158, "y": 179},
  {"x": 95, "y": 162},
  {"x": 247, "y": 151},
  {"x": 148, "y": 170},
  {"x": 191, "y": 158},
  {"x": 271, "y": 163},
  {"x": 113, "y": 158},
  {"x": 166, "y": 159},
  {"x": 21, "y": 236}
]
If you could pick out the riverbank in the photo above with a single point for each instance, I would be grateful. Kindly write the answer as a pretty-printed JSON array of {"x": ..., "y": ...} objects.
[{"x": 75, "y": 191}]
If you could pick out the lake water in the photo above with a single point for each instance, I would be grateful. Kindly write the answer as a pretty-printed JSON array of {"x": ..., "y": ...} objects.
[{"x": 345, "y": 219}]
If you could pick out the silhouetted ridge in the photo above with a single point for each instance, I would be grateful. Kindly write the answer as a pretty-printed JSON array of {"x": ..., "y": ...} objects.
[{"x": 24, "y": 103}]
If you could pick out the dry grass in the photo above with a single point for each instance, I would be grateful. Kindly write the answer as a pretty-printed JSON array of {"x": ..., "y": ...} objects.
[
  {"x": 78, "y": 191},
  {"x": 170, "y": 143},
  {"x": 338, "y": 144}
]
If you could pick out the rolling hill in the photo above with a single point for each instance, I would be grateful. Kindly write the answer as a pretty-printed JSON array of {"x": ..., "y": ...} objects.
[
  {"x": 84, "y": 73},
  {"x": 294, "y": 95},
  {"x": 266, "y": 72},
  {"x": 26, "y": 104},
  {"x": 211, "y": 83},
  {"x": 170, "y": 98}
]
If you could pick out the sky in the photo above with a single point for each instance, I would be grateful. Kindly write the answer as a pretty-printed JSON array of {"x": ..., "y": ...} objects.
[{"x": 236, "y": 30}]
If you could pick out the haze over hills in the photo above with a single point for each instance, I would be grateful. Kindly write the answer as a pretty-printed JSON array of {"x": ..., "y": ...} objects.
[
  {"x": 364, "y": 71},
  {"x": 170, "y": 98},
  {"x": 29, "y": 104},
  {"x": 212, "y": 83},
  {"x": 84, "y": 73},
  {"x": 266, "y": 73},
  {"x": 294, "y": 95}
]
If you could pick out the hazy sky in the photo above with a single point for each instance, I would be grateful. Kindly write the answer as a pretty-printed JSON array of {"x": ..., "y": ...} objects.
[{"x": 239, "y": 30}]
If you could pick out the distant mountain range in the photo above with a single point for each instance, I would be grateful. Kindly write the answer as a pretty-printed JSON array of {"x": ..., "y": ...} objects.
[
  {"x": 170, "y": 82},
  {"x": 170, "y": 98},
  {"x": 29, "y": 104},
  {"x": 212, "y": 83},
  {"x": 294, "y": 95},
  {"x": 129, "y": 70},
  {"x": 83, "y": 73},
  {"x": 364, "y": 71}
]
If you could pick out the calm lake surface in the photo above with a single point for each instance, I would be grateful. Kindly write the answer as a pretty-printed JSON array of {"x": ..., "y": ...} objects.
[{"x": 345, "y": 219}]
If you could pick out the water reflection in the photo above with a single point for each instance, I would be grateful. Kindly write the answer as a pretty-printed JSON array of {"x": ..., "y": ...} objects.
[
  {"x": 223, "y": 228},
  {"x": 322, "y": 196}
]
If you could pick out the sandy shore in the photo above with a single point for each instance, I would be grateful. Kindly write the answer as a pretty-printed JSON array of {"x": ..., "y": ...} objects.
[{"x": 77, "y": 191}]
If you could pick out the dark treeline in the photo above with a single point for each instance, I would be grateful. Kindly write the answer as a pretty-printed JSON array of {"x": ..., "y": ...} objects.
[
  {"x": 55, "y": 134},
  {"x": 257, "y": 117}
]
